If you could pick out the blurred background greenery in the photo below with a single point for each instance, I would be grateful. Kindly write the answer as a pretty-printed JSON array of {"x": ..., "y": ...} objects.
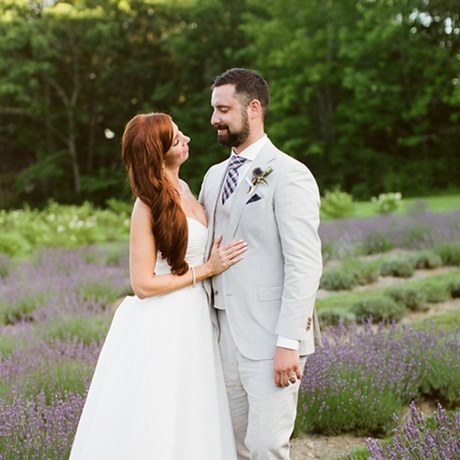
[{"x": 365, "y": 92}]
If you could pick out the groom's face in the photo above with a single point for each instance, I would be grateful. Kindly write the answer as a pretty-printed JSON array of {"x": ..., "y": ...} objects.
[{"x": 229, "y": 116}]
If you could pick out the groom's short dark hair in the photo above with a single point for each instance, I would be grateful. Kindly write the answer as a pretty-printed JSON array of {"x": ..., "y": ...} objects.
[{"x": 249, "y": 85}]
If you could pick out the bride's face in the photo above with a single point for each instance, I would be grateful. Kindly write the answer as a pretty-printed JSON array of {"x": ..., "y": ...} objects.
[{"x": 178, "y": 153}]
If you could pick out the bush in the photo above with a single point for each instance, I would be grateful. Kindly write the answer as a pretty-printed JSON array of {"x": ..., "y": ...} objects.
[
  {"x": 337, "y": 204},
  {"x": 397, "y": 267},
  {"x": 349, "y": 274},
  {"x": 379, "y": 308},
  {"x": 332, "y": 317},
  {"x": 436, "y": 291},
  {"x": 454, "y": 288},
  {"x": 386, "y": 203},
  {"x": 336, "y": 279},
  {"x": 426, "y": 260},
  {"x": 375, "y": 243},
  {"x": 449, "y": 253},
  {"x": 413, "y": 299}
]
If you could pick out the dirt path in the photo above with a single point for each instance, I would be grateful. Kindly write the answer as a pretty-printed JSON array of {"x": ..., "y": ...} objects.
[{"x": 323, "y": 447}]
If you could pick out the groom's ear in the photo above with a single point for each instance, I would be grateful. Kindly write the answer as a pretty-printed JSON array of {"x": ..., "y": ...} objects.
[{"x": 255, "y": 109}]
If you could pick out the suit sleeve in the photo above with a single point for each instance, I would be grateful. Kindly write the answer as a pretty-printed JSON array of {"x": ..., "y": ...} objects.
[{"x": 296, "y": 207}]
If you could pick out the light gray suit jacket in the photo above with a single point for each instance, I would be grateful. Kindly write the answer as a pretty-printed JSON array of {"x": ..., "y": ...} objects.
[{"x": 272, "y": 291}]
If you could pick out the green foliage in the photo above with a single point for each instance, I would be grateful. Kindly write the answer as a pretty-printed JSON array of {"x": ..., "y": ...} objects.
[
  {"x": 334, "y": 104},
  {"x": 413, "y": 299},
  {"x": 332, "y": 317},
  {"x": 397, "y": 267},
  {"x": 436, "y": 290},
  {"x": 454, "y": 288},
  {"x": 379, "y": 308},
  {"x": 449, "y": 253},
  {"x": 349, "y": 274},
  {"x": 426, "y": 260},
  {"x": 336, "y": 279},
  {"x": 7, "y": 345},
  {"x": 334, "y": 414},
  {"x": 5, "y": 266},
  {"x": 375, "y": 243},
  {"x": 26, "y": 230},
  {"x": 337, "y": 204},
  {"x": 84, "y": 329},
  {"x": 57, "y": 379},
  {"x": 21, "y": 310},
  {"x": 386, "y": 203}
]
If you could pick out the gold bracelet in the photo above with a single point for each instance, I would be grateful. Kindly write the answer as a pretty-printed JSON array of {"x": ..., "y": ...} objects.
[{"x": 193, "y": 276}]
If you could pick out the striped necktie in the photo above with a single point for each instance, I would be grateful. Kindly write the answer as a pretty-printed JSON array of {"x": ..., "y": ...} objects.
[{"x": 231, "y": 181}]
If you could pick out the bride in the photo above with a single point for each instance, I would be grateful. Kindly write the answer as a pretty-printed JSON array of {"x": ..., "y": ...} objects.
[{"x": 158, "y": 390}]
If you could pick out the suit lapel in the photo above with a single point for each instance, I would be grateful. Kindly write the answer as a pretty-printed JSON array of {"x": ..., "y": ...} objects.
[{"x": 262, "y": 160}]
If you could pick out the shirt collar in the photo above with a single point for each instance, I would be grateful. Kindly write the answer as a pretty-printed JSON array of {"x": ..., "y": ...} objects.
[{"x": 251, "y": 152}]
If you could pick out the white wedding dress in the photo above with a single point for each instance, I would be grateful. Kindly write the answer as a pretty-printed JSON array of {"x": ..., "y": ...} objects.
[{"x": 158, "y": 391}]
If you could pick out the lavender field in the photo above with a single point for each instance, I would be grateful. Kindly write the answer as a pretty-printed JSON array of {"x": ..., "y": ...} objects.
[{"x": 56, "y": 306}]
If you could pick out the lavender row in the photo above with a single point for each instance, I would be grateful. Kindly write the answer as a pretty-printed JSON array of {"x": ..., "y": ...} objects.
[
  {"x": 382, "y": 233},
  {"x": 363, "y": 376}
]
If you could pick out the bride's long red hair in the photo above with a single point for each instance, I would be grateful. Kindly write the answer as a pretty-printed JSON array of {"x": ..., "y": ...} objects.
[{"x": 146, "y": 140}]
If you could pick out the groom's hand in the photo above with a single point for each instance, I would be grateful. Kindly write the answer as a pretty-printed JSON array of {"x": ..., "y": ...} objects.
[{"x": 286, "y": 367}]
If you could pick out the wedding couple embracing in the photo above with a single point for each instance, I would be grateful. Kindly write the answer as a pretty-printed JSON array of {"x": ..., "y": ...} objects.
[{"x": 205, "y": 361}]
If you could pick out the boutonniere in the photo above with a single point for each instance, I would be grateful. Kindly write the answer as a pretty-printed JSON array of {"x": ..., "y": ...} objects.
[{"x": 258, "y": 177}]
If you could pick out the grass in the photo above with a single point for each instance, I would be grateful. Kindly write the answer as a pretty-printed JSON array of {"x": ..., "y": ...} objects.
[{"x": 436, "y": 203}]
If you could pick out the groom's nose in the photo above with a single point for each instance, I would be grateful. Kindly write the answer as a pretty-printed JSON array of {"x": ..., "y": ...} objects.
[{"x": 214, "y": 119}]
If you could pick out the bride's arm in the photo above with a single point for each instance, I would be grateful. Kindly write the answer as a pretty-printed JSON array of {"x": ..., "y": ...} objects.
[{"x": 143, "y": 254}]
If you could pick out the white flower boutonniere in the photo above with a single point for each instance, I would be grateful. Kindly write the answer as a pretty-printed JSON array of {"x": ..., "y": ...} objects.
[{"x": 258, "y": 177}]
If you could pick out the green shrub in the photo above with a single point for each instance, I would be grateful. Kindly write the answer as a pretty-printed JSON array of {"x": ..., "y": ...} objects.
[
  {"x": 426, "y": 260},
  {"x": 81, "y": 328},
  {"x": 349, "y": 274},
  {"x": 336, "y": 279},
  {"x": 14, "y": 244},
  {"x": 332, "y": 316},
  {"x": 413, "y": 299},
  {"x": 386, "y": 203},
  {"x": 397, "y": 267},
  {"x": 449, "y": 253},
  {"x": 454, "y": 288},
  {"x": 22, "y": 310},
  {"x": 379, "y": 308},
  {"x": 375, "y": 243},
  {"x": 436, "y": 291},
  {"x": 337, "y": 204}
]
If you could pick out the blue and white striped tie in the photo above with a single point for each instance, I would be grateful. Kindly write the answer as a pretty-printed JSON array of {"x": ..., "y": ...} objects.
[{"x": 231, "y": 181}]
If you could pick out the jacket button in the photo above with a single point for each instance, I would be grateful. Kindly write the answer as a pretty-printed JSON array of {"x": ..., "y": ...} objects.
[{"x": 216, "y": 292}]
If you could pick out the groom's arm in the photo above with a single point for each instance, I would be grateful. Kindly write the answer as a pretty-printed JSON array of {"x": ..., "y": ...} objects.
[
  {"x": 296, "y": 210},
  {"x": 297, "y": 215}
]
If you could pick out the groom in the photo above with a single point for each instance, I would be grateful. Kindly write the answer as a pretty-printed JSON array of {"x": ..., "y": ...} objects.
[{"x": 265, "y": 303}]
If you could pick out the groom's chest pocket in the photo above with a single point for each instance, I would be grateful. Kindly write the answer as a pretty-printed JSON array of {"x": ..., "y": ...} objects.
[{"x": 257, "y": 211}]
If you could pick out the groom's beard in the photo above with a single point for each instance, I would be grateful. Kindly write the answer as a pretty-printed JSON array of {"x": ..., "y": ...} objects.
[{"x": 237, "y": 138}]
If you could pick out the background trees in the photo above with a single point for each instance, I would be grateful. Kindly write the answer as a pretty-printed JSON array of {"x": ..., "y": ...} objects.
[{"x": 366, "y": 93}]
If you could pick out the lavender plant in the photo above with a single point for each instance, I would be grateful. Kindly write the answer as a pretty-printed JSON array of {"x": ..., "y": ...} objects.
[
  {"x": 362, "y": 377},
  {"x": 382, "y": 233},
  {"x": 417, "y": 439}
]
